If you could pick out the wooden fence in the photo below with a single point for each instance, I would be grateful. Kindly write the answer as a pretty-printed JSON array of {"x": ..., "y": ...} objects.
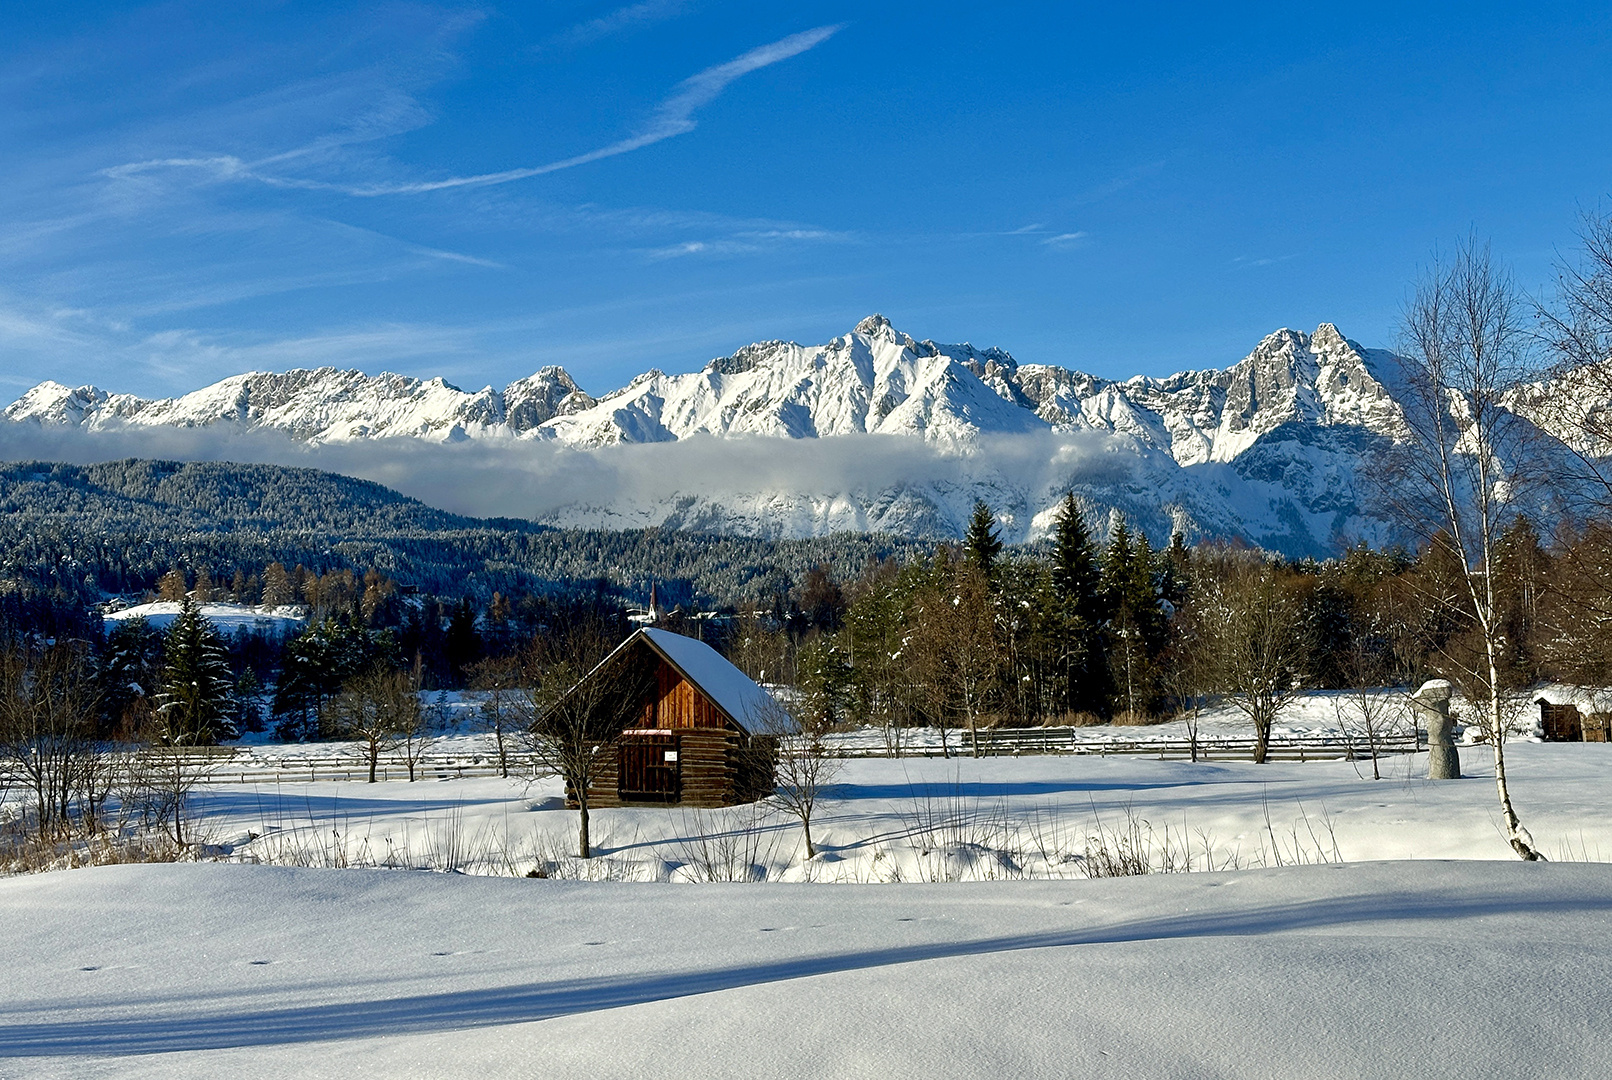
[
  {"x": 1010, "y": 742},
  {"x": 229, "y": 765},
  {"x": 236, "y": 765}
]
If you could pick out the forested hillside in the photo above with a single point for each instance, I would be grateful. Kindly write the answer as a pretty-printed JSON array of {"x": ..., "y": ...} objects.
[{"x": 72, "y": 530}]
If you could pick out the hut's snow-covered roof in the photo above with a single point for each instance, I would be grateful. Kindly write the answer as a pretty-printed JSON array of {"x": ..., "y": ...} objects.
[{"x": 734, "y": 692}]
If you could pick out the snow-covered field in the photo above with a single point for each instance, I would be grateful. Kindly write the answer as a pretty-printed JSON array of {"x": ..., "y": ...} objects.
[
  {"x": 1317, "y": 713},
  {"x": 1428, "y": 951},
  {"x": 1394, "y": 970},
  {"x": 933, "y": 819},
  {"x": 226, "y": 618}
]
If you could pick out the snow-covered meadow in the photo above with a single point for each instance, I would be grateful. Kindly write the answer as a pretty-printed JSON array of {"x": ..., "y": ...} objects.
[
  {"x": 933, "y": 819},
  {"x": 1351, "y": 927},
  {"x": 1390, "y": 969},
  {"x": 225, "y": 618}
]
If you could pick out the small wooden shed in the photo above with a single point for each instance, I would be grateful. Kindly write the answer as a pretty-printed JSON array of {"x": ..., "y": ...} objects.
[
  {"x": 1564, "y": 723},
  {"x": 696, "y": 731}
]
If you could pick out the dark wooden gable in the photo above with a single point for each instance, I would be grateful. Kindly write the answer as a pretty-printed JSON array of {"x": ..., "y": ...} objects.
[{"x": 673, "y": 702}]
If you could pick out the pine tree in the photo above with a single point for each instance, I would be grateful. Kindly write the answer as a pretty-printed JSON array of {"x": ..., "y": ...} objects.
[
  {"x": 194, "y": 705},
  {"x": 1135, "y": 617},
  {"x": 1077, "y": 612},
  {"x": 1075, "y": 575},
  {"x": 983, "y": 543}
]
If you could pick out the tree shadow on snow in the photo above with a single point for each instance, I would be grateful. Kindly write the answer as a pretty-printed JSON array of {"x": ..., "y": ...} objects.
[{"x": 146, "y": 1030}]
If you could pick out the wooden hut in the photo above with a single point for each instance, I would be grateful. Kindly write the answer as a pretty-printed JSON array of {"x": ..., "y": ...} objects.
[
  {"x": 1560, "y": 723},
  {"x": 690, "y": 729},
  {"x": 1564, "y": 723}
]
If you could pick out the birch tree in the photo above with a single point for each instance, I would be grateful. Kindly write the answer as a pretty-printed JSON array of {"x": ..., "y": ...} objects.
[{"x": 1462, "y": 463}]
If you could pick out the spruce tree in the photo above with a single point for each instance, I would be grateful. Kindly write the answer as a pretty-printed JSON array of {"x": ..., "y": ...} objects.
[
  {"x": 315, "y": 665},
  {"x": 461, "y": 644},
  {"x": 983, "y": 543},
  {"x": 130, "y": 673},
  {"x": 1136, "y": 624},
  {"x": 1077, "y": 612},
  {"x": 1075, "y": 576},
  {"x": 194, "y": 704}
]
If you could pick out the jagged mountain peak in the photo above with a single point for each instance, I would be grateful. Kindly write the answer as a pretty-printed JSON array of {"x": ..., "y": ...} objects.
[
  {"x": 1273, "y": 437},
  {"x": 876, "y": 379},
  {"x": 52, "y": 402}
]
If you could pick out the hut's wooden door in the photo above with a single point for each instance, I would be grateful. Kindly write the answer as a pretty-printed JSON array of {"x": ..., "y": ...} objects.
[{"x": 650, "y": 768}]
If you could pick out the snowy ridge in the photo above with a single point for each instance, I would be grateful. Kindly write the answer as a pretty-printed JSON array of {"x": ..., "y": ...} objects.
[
  {"x": 873, "y": 380},
  {"x": 1271, "y": 449},
  {"x": 319, "y": 405}
]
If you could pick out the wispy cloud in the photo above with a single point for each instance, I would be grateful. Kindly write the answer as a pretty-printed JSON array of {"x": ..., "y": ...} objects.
[
  {"x": 621, "y": 20},
  {"x": 1244, "y": 262},
  {"x": 59, "y": 327},
  {"x": 672, "y": 117},
  {"x": 747, "y": 242},
  {"x": 1025, "y": 230},
  {"x": 1064, "y": 240},
  {"x": 192, "y": 356},
  {"x": 1118, "y": 183}
]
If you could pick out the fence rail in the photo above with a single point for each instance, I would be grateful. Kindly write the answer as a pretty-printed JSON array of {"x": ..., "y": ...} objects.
[
  {"x": 235, "y": 765},
  {"x": 1009, "y": 742},
  {"x": 229, "y": 765}
]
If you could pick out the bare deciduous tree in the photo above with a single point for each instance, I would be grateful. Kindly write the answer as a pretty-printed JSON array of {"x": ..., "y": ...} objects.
[
  {"x": 1465, "y": 459},
  {"x": 1187, "y": 675},
  {"x": 1363, "y": 709},
  {"x": 1575, "y": 405},
  {"x": 378, "y": 709},
  {"x": 498, "y": 678},
  {"x": 805, "y": 765},
  {"x": 161, "y": 778},
  {"x": 570, "y": 716},
  {"x": 48, "y": 700},
  {"x": 420, "y": 736},
  {"x": 1252, "y": 639},
  {"x": 957, "y": 648},
  {"x": 1576, "y": 402}
]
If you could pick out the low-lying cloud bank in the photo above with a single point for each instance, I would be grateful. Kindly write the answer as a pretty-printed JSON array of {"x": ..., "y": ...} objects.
[{"x": 776, "y": 486}]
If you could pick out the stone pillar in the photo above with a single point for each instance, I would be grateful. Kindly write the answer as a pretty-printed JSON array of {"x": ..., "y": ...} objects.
[{"x": 1431, "y": 707}]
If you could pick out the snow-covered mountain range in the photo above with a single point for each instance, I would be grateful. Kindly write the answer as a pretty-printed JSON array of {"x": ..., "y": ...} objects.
[{"x": 890, "y": 433}]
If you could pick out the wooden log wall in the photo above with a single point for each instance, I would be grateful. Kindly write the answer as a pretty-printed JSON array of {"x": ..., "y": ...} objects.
[
  {"x": 602, "y": 792},
  {"x": 717, "y": 767},
  {"x": 709, "y": 769}
]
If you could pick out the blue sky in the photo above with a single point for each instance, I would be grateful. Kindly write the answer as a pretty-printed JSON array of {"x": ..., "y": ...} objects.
[{"x": 188, "y": 191}]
